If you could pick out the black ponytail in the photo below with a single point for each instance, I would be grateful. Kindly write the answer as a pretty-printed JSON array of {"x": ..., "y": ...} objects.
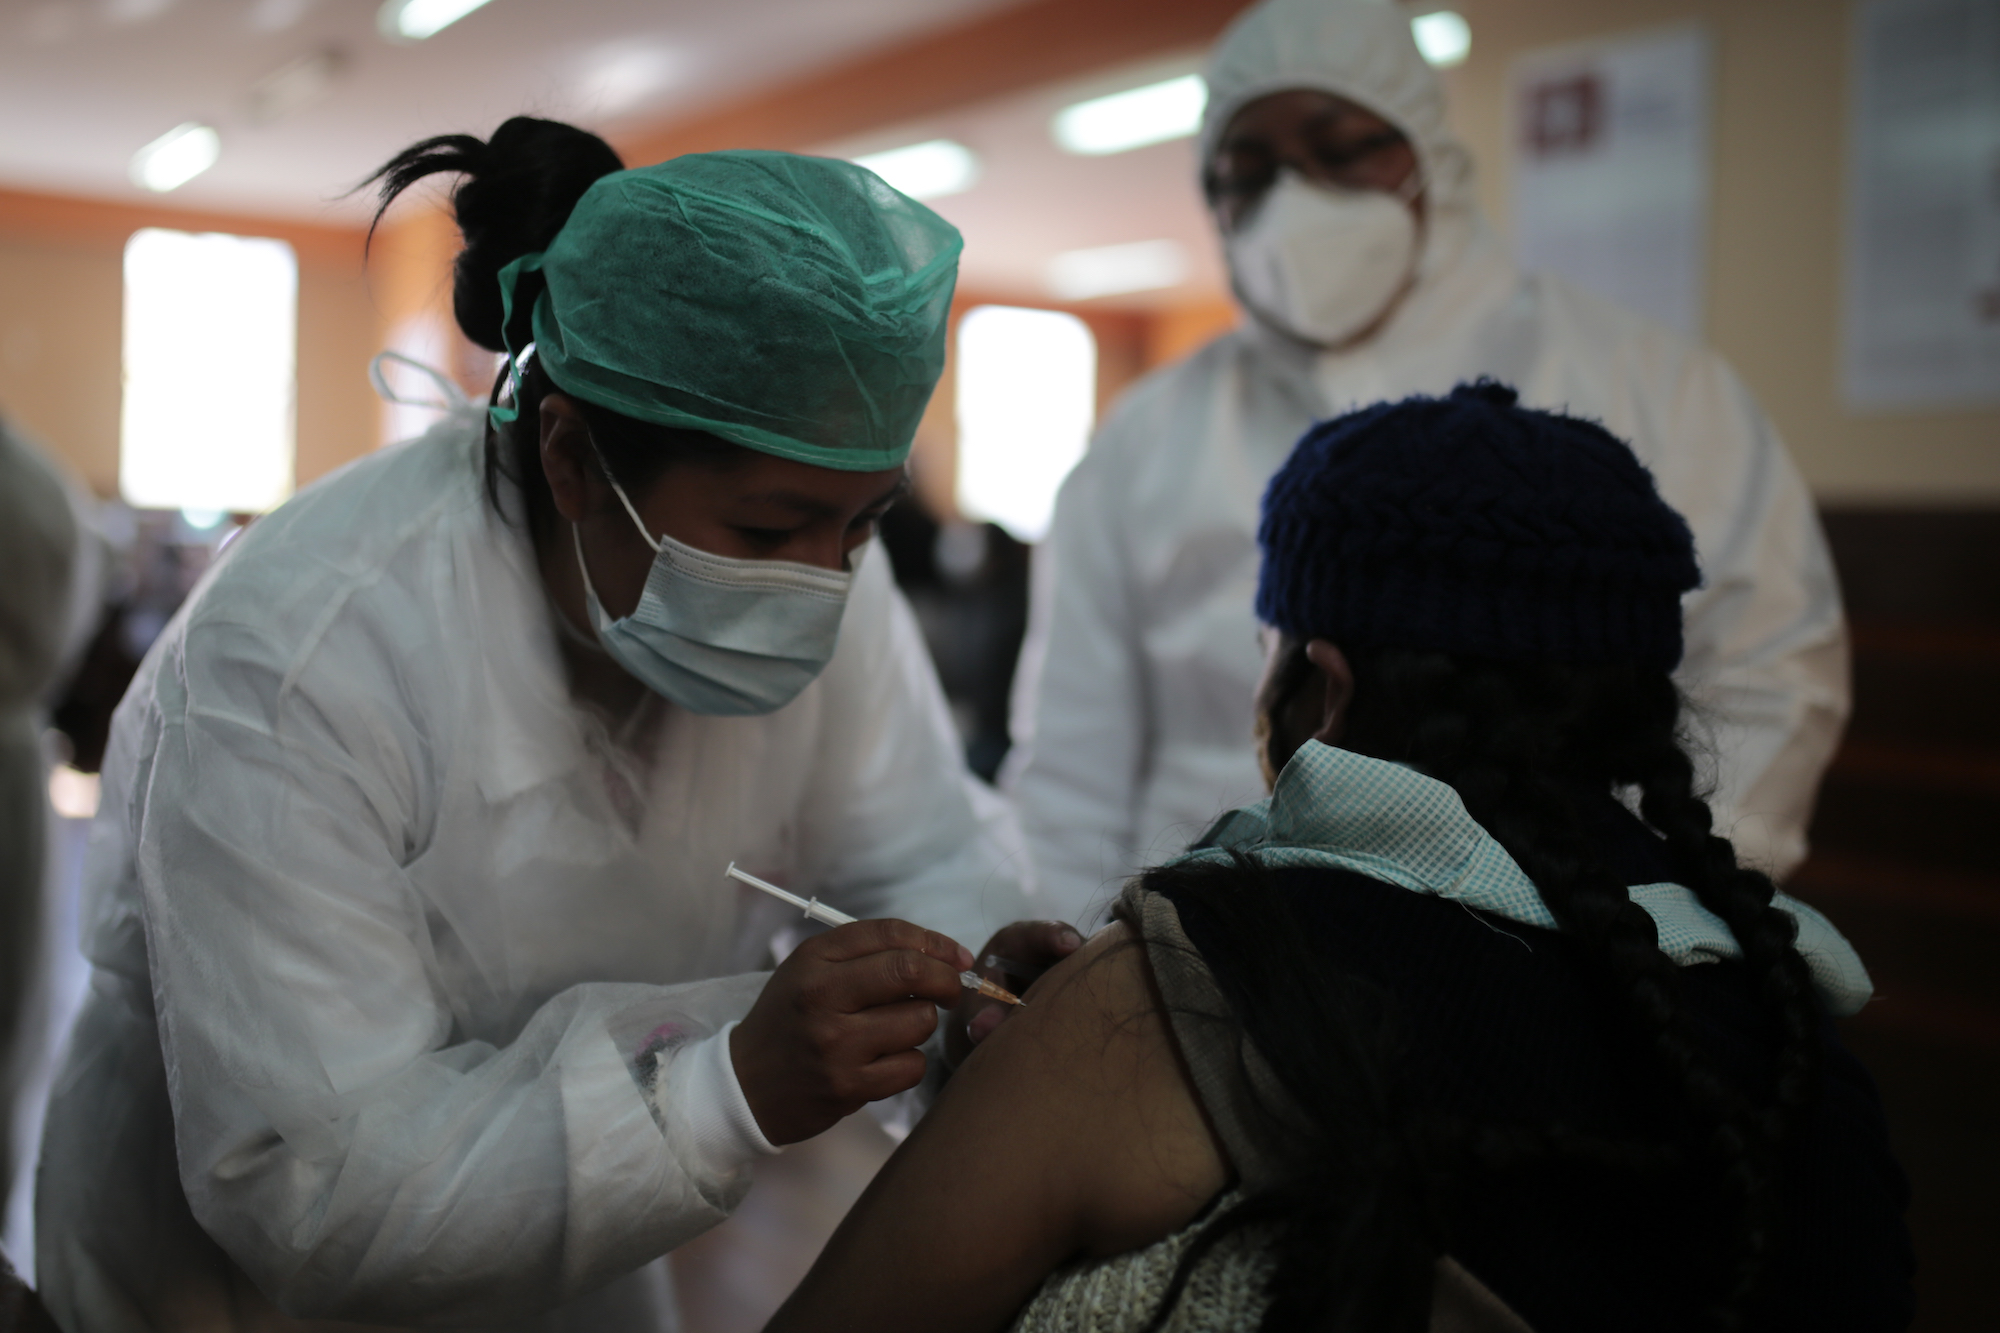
[{"x": 516, "y": 190}]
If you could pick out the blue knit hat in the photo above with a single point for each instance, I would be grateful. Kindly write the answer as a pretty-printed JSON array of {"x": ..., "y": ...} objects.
[{"x": 1471, "y": 525}]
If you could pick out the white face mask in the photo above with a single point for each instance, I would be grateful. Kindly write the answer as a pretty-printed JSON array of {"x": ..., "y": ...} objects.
[
  {"x": 719, "y": 635},
  {"x": 1323, "y": 263}
]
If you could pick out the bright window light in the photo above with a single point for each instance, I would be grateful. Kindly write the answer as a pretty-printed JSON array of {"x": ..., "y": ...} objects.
[
  {"x": 414, "y": 20},
  {"x": 211, "y": 328},
  {"x": 1027, "y": 395},
  {"x": 926, "y": 170},
  {"x": 1444, "y": 38},
  {"x": 176, "y": 157},
  {"x": 1134, "y": 118},
  {"x": 1108, "y": 270}
]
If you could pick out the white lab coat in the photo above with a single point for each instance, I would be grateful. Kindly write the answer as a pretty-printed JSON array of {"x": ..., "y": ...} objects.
[
  {"x": 390, "y": 926},
  {"x": 1132, "y": 707},
  {"x": 1133, "y": 704}
]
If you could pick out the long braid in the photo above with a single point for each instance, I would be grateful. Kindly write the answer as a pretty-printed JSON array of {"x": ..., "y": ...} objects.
[
  {"x": 1525, "y": 746},
  {"x": 1529, "y": 748},
  {"x": 1742, "y": 897}
]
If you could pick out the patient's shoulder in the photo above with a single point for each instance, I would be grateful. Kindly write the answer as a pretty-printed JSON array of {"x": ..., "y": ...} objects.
[{"x": 1091, "y": 1063}]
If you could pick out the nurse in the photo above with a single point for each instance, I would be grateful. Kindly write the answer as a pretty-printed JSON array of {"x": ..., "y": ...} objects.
[
  {"x": 419, "y": 995},
  {"x": 1346, "y": 210}
]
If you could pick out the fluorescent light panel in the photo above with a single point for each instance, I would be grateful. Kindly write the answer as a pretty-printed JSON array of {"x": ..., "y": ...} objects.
[
  {"x": 1109, "y": 270},
  {"x": 1443, "y": 38},
  {"x": 414, "y": 20},
  {"x": 176, "y": 157},
  {"x": 927, "y": 170},
  {"x": 1134, "y": 118}
]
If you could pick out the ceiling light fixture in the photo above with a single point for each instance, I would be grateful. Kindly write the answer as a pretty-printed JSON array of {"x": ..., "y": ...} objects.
[
  {"x": 1443, "y": 38},
  {"x": 176, "y": 157},
  {"x": 928, "y": 170},
  {"x": 414, "y": 20},
  {"x": 1111, "y": 270},
  {"x": 1134, "y": 118}
]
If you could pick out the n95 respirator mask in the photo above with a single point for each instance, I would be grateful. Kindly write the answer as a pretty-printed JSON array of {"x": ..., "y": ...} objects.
[{"x": 1321, "y": 262}]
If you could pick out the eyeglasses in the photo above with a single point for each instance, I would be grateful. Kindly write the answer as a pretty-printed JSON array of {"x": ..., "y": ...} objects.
[{"x": 1242, "y": 172}]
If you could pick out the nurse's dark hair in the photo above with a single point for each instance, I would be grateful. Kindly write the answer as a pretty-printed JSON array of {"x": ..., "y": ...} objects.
[
  {"x": 515, "y": 191},
  {"x": 1527, "y": 746}
]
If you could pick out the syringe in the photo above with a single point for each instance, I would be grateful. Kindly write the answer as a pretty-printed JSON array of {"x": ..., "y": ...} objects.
[{"x": 816, "y": 910}]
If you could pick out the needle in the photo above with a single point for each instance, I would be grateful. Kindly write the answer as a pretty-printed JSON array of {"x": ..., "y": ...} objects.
[{"x": 816, "y": 910}]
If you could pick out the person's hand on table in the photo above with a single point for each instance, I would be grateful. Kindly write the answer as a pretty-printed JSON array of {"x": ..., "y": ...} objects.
[
  {"x": 838, "y": 1024},
  {"x": 1020, "y": 953}
]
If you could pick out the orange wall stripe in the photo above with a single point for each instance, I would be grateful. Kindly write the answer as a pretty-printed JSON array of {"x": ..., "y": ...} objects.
[{"x": 66, "y": 219}]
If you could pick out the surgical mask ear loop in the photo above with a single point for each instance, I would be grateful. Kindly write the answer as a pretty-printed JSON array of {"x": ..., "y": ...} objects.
[
  {"x": 454, "y": 397},
  {"x": 623, "y": 499},
  {"x": 576, "y": 532}
]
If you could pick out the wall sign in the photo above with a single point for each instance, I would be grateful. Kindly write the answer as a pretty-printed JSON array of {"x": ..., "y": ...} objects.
[
  {"x": 1923, "y": 209},
  {"x": 1611, "y": 169}
]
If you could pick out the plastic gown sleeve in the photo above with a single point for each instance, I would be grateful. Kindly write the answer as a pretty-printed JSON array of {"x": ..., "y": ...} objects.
[
  {"x": 1767, "y": 650},
  {"x": 1080, "y": 713},
  {"x": 357, "y": 1158}
]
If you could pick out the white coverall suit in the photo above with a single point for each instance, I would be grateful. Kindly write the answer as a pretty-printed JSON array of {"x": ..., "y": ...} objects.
[
  {"x": 420, "y": 973},
  {"x": 1133, "y": 703}
]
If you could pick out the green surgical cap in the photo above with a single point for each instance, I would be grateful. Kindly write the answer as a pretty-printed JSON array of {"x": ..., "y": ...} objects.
[{"x": 795, "y": 305}]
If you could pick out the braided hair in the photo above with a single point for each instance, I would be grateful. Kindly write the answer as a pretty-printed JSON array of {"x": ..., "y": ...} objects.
[{"x": 1529, "y": 747}]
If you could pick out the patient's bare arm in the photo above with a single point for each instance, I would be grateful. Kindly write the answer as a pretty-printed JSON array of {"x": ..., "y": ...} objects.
[{"x": 1070, "y": 1132}]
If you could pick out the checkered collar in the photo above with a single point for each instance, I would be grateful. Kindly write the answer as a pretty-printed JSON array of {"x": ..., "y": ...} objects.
[{"x": 1334, "y": 809}]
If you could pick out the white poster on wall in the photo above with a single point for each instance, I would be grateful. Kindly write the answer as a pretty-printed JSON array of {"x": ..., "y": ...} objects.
[
  {"x": 1611, "y": 171},
  {"x": 1923, "y": 233}
]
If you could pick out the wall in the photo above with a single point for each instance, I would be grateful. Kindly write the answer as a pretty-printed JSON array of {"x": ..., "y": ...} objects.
[
  {"x": 59, "y": 352},
  {"x": 1775, "y": 244},
  {"x": 61, "y": 317}
]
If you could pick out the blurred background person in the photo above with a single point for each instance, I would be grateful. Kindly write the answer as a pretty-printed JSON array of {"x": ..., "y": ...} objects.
[
  {"x": 39, "y": 542},
  {"x": 1358, "y": 253}
]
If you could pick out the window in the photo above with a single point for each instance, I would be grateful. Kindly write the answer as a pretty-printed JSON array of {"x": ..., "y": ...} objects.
[
  {"x": 211, "y": 333},
  {"x": 1027, "y": 395}
]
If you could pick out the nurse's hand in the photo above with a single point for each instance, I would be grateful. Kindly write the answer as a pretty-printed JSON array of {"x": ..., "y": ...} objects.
[
  {"x": 1023, "y": 952},
  {"x": 839, "y": 1023}
]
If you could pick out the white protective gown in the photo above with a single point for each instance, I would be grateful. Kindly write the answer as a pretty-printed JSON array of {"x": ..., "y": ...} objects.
[
  {"x": 1133, "y": 703},
  {"x": 442, "y": 968}
]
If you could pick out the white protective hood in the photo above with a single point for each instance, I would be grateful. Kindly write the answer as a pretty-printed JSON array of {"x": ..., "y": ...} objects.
[{"x": 1361, "y": 50}]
